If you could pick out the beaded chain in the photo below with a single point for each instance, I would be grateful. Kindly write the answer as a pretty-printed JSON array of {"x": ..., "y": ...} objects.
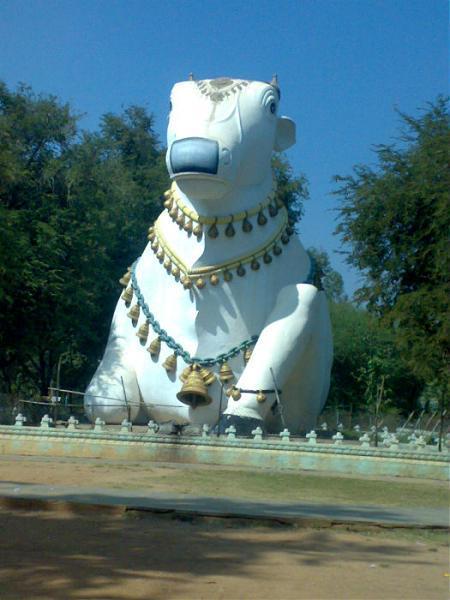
[{"x": 172, "y": 344}]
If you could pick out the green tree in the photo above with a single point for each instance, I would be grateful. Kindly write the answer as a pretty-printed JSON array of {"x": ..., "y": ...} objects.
[
  {"x": 395, "y": 219},
  {"x": 331, "y": 280},
  {"x": 291, "y": 190},
  {"x": 74, "y": 209}
]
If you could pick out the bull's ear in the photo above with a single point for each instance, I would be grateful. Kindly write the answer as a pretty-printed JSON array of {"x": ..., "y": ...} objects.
[{"x": 285, "y": 135}]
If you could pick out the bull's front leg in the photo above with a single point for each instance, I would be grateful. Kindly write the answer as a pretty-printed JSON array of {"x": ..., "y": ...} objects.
[
  {"x": 113, "y": 393},
  {"x": 280, "y": 347}
]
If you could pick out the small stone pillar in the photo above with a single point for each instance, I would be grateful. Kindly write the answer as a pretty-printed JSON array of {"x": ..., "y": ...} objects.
[
  {"x": 125, "y": 426},
  {"x": 312, "y": 437},
  {"x": 357, "y": 428},
  {"x": 338, "y": 438},
  {"x": 20, "y": 420},
  {"x": 99, "y": 425},
  {"x": 72, "y": 423},
  {"x": 205, "y": 430},
  {"x": 152, "y": 428},
  {"x": 340, "y": 427},
  {"x": 46, "y": 422},
  {"x": 393, "y": 442},
  {"x": 365, "y": 441},
  {"x": 421, "y": 443},
  {"x": 285, "y": 435},
  {"x": 257, "y": 434},
  {"x": 324, "y": 426},
  {"x": 231, "y": 432}
]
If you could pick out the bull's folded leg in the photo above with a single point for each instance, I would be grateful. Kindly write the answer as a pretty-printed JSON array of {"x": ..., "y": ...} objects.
[{"x": 243, "y": 425}]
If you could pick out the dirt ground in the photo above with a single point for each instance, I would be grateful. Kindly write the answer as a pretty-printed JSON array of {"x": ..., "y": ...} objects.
[
  {"x": 141, "y": 556},
  {"x": 70, "y": 554}
]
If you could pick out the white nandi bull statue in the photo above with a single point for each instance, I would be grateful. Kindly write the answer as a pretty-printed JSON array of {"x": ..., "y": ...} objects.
[{"x": 221, "y": 303}]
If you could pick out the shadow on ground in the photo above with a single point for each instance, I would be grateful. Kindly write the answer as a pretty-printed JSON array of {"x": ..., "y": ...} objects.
[{"x": 67, "y": 556}]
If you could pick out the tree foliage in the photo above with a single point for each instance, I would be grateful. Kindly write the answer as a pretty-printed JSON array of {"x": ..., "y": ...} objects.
[
  {"x": 74, "y": 208},
  {"x": 395, "y": 219}
]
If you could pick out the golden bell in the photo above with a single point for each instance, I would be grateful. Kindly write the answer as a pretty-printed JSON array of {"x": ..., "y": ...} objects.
[
  {"x": 180, "y": 220},
  {"x": 254, "y": 265},
  {"x": 235, "y": 393},
  {"x": 175, "y": 270},
  {"x": 213, "y": 280},
  {"x": 207, "y": 375},
  {"x": 167, "y": 263},
  {"x": 194, "y": 392},
  {"x": 151, "y": 234},
  {"x": 267, "y": 258},
  {"x": 142, "y": 332},
  {"x": 160, "y": 254},
  {"x": 260, "y": 397},
  {"x": 134, "y": 313},
  {"x": 227, "y": 275},
  {"x": 185, "y": 373},
  {"x": 154, "y": 347},
  {"x": 127, "y": 295},
  {"x": 200, "y": 283},
  {"x": 246, "y": 226},
  {"x": 125, "y": 279},
  {"x": 198, "y": 230},
  {"x": 229, "y": 230},
  {"x": 225, "y": 373},
  {"x": 173, "y": 212},
  {"x": 154, "y": 245},
  {"x": 262, "y": 219},
  {"x": 273, "y": 210},
  {"x": 170, "y": 364},
  {"x": 187, "y": 282},
  {"x": 188, "y": 226},
  {"x": 213, "y": 231},
  {"x": 168, "y": 203},
  {"x": 168, "y": 194},
  {"x": 247, "y": 354}
]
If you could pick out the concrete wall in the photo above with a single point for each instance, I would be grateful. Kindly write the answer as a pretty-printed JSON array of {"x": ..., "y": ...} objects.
[{"x": 239, "y": 452}]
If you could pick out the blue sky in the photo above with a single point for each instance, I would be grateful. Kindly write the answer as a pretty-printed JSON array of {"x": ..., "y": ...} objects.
[{"x": 343, "y": 67}]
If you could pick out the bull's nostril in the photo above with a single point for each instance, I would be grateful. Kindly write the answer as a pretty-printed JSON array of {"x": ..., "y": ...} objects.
[{"x": 194, "y": 155}]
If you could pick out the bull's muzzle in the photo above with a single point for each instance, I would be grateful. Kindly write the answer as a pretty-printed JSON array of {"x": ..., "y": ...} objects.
[{"x": 194, "y": 155}]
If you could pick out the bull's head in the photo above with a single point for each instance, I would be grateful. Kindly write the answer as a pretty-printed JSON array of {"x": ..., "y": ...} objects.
[{"x": 222, "y": 133}]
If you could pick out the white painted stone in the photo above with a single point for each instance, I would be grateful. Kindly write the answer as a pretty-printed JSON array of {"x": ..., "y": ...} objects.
[
  {"x": 231, "y": 432},
  {"x": 99, "y": 425},
  {"x": 365, "y": 441},
  {"x": 290, "y": 317},
  {"x": 312, "y": 437},
  {"x": 257, "y": 434},
  {"x": 20, "y": 420},
  {"x": 46, "y": 422},
  {"x": 285, "y": 435},
  {"x": 72, "y": 423},
  {"x": 152, "y": 428},
  {"x": 125, "y": 426},
  {"x": 338, "y": 438}
]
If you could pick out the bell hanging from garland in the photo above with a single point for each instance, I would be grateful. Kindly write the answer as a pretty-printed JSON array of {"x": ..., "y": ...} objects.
[
  {"x": 142, "y": 332},
  {"x": 155, "y": 347},
  {"x": 185, "y": 372},
  {"x": 200, "y": 283},
  {"x": 127, "y": 295},
  {"x": 247, "y": 354},
  {"x": 170, "y": 364},
  {"x": 260, "y": 397},
  {"x": 277, "y": 250},
  {"x": 227, "y": 275},
  {"x": 194, "y": 392},
  {"x": 188, "y": 226},
  {"x": 134, "y": 313},
  {"x": 246, "y": 226},
  {"x": 262, "y": 219},
  {"x": 225, "y": 372},
  {"x": 214, "y": 279},
  {"x": 229, "y": 230},
  {"x": 267, "y": 258},
  {"x": 273, "y": 210},
  {"x": 187, "y": 282},
  {"x": 198, "y": 230},
  {"x": 180, "y": 220},
  {"x": 235, "y": 393},
  {"x": 168, "y": 202},
  {"x": 173, "y": 212},
  {"x": 254, "y": 265},
  {"x": 125, "y": 279},
  {"x": 285, "y": 238},
  {"x": 213, "y": 231},
  {"x": 240, "y": 271},
  {"x": 207, "y": 375}
]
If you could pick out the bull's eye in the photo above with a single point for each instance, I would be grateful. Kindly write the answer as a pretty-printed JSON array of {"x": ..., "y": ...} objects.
[{"x": 273, "y": 107}]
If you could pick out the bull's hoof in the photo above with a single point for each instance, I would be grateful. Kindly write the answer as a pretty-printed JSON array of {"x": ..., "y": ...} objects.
[{"x": 243, "y": 425}]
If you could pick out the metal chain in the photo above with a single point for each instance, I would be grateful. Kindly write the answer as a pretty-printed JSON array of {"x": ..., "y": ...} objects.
[
  {"x": 172, "y": 344},
  {"x": 179, "y": 350}
]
